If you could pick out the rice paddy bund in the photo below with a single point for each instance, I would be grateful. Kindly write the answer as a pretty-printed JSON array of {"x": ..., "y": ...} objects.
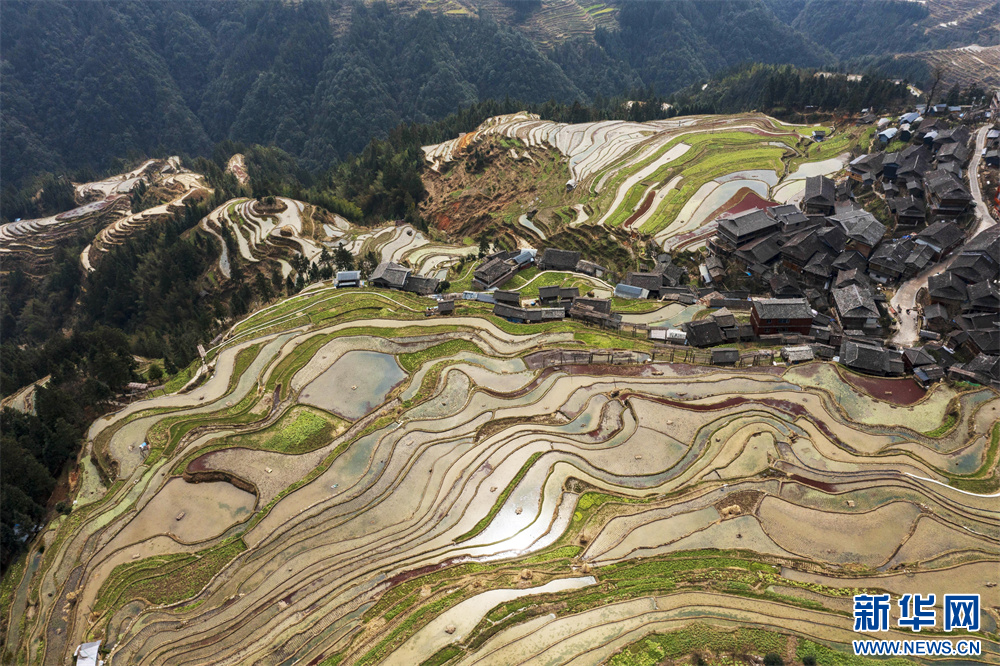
[{"x": 356, "y": 483}]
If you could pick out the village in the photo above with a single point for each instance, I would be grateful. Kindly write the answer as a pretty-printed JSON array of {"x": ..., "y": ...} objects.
[{"x": 911, "y": 290}]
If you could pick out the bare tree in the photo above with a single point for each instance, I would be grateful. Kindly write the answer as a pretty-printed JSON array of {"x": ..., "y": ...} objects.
[{"x": 939, "y": 72}]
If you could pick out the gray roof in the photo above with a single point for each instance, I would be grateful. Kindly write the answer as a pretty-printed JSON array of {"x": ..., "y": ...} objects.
[
  {"x": 860, "y": 225},
  {"x": 947, "y": 286},
  {"x": 560, "y": 260},
  {"x": 867, "y": 357},
  {"x": 348, "y": 276},
  {"x": 508, "y": 297},
  {"x": 941, "y": 235},
  {"x": 782, "y": 308},
  {"x": 854, "y": 302},
  {"x": 704, "y": 333},
  {"x": 391, "y": 273},
  {"x": 747, "y": 223},
  {"x": 725, "y": 355},
  {"x": 944, "y": 185},
  {"x": 419, "y": 284},
  {"x": 820, "y": 190},
  {"x": 628, "y": 291}
]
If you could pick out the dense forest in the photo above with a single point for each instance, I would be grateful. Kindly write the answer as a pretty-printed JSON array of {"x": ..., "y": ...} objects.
[{"x": 89, "y": 85}]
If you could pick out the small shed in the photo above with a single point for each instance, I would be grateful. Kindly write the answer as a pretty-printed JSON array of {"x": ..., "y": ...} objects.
[
  {"x": 928, "y": 374},
  {"x": 88, "y": 654},
  {"x": 725, "y": 356},
  {"x": 446, "y": 307},
  {"x": 347, "y": 279},
  {"x": 799, "y": 354},
  {"x": 628, "y": 291},
  {"x": 674, "y": 335}
]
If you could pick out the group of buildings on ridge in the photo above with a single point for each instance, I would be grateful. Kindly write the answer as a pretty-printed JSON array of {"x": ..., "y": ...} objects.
[{"x": 818, "y": 270}]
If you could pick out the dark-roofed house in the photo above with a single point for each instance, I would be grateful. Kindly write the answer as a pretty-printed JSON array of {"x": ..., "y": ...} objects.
[
  {"x": 389, "y": 275},
  {"x": 418, "y": 284},
  {"x": 974, "y": 266},
  {"x": 800, "y": 354},
  {"x": 985, "y": 341},
  {"x": 725, "y": 356},
  {"x": 928, "y": 374},
  {"x": 652, "y": 283},
  {"x": 554, "y": 259},
  {"x": 959, "y": 135},
  {"x": 784, "y": 286},
  {"x": 493, "y": 272},
  {"x": 704, "y": 333},
  {"x": 446, "y": 307},
  {"x": 528, "y": 315},
  {"x": 820, "y": 196},
  {"x": 870, "y": 358},
  {"x": 848, "y": 260},
  {"x": 799, "y": 249},
  {"x": 820, "y": 268},
  {"x": 916, "y": 357},
  {"x": 862, "y": 229},
  {"x": 762, "y": 251},
  {"x": 887, "y": 262},
  {"x": 739, "y": 230},
  {"x": 790, "y": 217},
  {"x": 909, "y": 211},
  {"x": 953, "y": 152},
  {"x": 507, "y": 297},
  {"x": 595, "y": 311},
  {"x": 855, "y": 307},
  {"x": 347, "y": 279},
  {"x": 716, "y": 269},
  {"x": 781, "y": 315},
  {"x": 851, "y": 276},
  {"x": 590, "y": 268},
  {"x": 866, "y": 169},
  {"x": 985, "y": 367},
  {"x": 920, "y": 258},
  {"x": 945, "y": 194},
  {"x": 982, "y": 297},
  {"x": 942, "y": 237},
  {"x": 936, "y": 318},
  {"x": 946, "y": 288}
]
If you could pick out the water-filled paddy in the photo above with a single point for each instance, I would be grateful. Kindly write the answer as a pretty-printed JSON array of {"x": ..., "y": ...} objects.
[{"x": 355, "y": 384}]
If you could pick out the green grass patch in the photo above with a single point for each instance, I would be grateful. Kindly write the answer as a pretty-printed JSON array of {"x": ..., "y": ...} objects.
[
  {"x": 165, "y": 579},
  {"x": 696, "y": 639},
  {"x": 299, "y": 430},
  {"x": 412, "y": 361},
  {"x": 950, "y": 419}
]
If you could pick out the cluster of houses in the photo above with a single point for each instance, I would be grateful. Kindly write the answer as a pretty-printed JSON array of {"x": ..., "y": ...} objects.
[
  {"x": 828, "y": 261},
  {"x": 923, "y": 181},
  {"x": 819, "y": 270}
]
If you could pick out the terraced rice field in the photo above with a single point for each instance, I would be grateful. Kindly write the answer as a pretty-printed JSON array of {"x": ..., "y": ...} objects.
[
  {"x": 106, "y": 214},
  {"x": 670, "y": 178},
  {"x": 358, "y": 484}
]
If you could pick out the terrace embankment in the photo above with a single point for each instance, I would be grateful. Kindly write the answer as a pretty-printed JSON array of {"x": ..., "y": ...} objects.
[{"x": 691, "y": 495}]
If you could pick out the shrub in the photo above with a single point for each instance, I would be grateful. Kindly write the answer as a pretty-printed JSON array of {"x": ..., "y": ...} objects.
[
  {"x": 809, "y": 660},
  {"x": 773, "y": 659},
  {"x": 155, "y": 373}
]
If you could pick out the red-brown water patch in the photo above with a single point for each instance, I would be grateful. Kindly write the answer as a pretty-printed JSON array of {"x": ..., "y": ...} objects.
[{"x": 894, "y": 391}]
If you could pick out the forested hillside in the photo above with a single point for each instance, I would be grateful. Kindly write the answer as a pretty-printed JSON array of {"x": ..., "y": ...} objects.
[{"x": 87, "y": 85}]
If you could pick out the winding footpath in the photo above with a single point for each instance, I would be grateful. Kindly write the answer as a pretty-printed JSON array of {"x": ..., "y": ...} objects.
[{"x": 904, "y": 301}]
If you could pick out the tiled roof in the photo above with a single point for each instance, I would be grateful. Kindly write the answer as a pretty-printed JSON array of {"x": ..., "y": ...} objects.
[{"x": 782, "y": 308}]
